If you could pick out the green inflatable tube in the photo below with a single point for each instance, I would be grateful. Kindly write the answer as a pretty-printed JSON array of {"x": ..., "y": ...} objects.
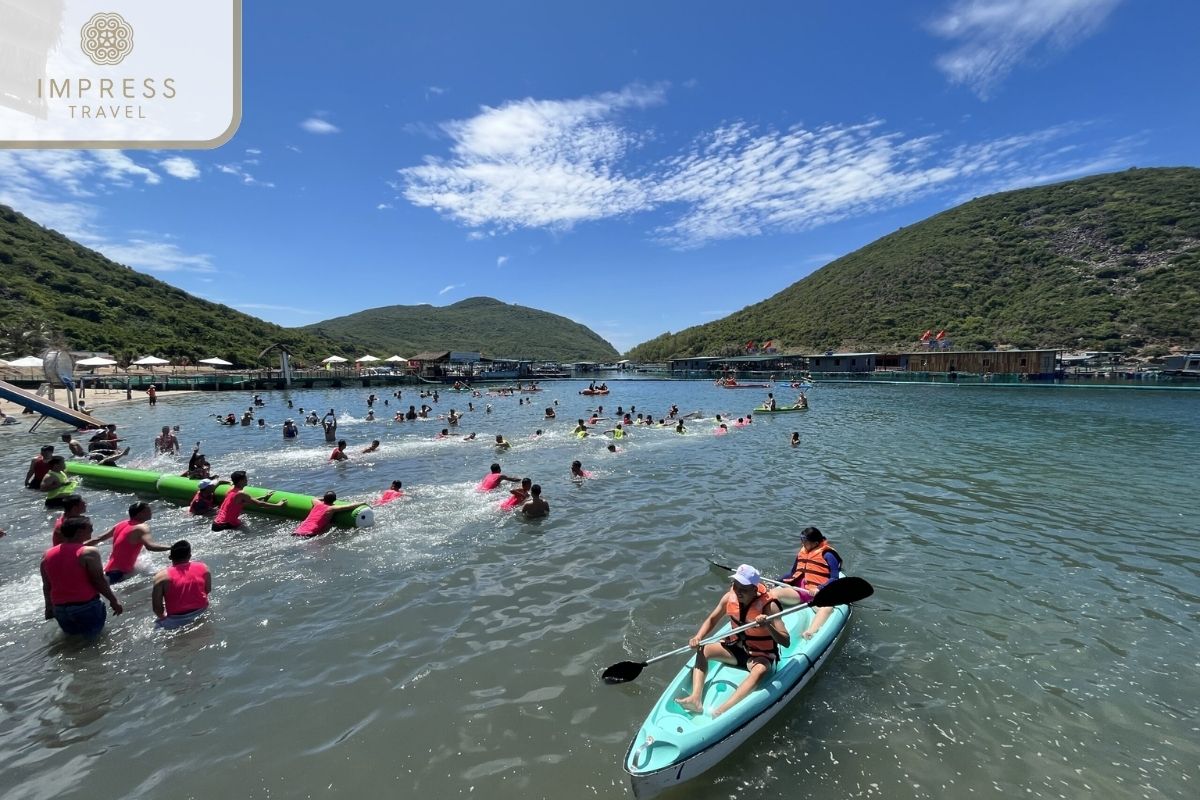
[
  {"x": 173, "y": 487},
  {"x": 296, "y": 506},
  {"x": 134, "y": 480}
]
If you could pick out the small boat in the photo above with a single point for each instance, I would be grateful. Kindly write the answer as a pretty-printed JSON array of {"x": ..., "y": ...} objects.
[
  {"x": 780, "y": 409},
  {"x": 747, "y": 385},
  {"x": 590, "y": 392},
  {"x": 673, "y": 746},
  {"x": 802, "y": 384}
]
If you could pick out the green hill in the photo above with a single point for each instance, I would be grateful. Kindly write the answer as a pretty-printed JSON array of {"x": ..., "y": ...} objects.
[
  {"x": 1109, "y": 262},
  {"x": 54, "y": 289},
  {"x": 475, "y": 324}
]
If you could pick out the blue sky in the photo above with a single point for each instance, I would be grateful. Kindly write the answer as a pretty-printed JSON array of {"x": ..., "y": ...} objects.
[{"x": 638, "y": 167}]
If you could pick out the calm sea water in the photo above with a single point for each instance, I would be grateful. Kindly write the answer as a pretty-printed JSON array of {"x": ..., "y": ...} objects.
[{"x": 1035, "y": 553}]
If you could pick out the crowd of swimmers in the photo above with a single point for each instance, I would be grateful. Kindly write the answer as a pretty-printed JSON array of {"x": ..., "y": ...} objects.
[{"x": 75, "y": 580}]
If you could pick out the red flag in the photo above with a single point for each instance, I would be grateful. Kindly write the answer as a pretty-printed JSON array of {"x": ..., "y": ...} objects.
[
  {"x": 925, "y": 336},
  {"x": 940, "y": 335},
  {"x": 768, "y": 343}
]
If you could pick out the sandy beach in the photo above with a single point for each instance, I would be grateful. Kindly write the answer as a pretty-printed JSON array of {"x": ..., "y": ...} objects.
[{"x": 97, "y": 398}]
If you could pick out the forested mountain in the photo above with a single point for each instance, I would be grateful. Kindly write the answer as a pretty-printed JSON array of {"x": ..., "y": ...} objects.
[
  {"x": 477, "y": 323},
  {"x": 1108, "y": 262}
]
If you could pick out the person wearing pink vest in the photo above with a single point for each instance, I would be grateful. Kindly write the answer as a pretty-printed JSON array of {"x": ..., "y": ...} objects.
[
  {"x": 181, "y": 590},
  {"x": 129, "y": 537},
  {"x": 73, "y": 582},
  {"x": 320, "y": 518}
]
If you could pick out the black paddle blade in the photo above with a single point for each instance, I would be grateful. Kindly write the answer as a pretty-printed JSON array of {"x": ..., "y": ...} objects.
[
  {"x": 842, "y": 592},
  {"x": 623, "y": 671}
]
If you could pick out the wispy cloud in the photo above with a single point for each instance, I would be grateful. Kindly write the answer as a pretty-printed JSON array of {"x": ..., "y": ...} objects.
[
  {"x": 553, "y": 164},
  {"x": 535, "y": 163},
  {"x": 238, "y": 170},
  {"x": 993, "y": 36},
  {"x": 383, "y": 206},
  {"x": 319, "y": 126},
  {"x": 435, "y": 91},
  {"x": 47, "y": 186},
  {"x": 180, "y": 167},
  {"x": 156, "y": 256},
  {"x": 501, "y": 261},
  {"x": 451, "y": 288}
]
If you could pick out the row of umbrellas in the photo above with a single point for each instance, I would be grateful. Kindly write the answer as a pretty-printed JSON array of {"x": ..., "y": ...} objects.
[
  {"x": 100, "y": 361},
  {"x": 340, "y": 360}
]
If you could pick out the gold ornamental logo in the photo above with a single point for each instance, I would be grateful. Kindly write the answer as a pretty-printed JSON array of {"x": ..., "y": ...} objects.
[{"x": 106, "y": 38}]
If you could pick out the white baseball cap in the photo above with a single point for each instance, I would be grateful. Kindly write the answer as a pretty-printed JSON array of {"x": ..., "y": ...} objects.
[{"x": 747, "y": 575}]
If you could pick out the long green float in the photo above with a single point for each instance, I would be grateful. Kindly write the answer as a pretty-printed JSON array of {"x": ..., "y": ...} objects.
[{"x": 182, "y": 490}]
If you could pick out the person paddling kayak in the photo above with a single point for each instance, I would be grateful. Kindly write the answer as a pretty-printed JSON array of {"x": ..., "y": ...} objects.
[
  {"x": 816, "y": 565},
  {"x": 755, "y": 650}
]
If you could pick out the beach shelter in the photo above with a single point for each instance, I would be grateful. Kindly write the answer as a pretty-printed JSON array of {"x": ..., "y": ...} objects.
[
  {"x": 216, "y": 362},
  {"x": 365, "y": 358},
  {"x": 150, "y": 361},
  {"x": 334, "y": 360},
  {"x": 397, "y": 358},
  {"x": 27, "y": 362},
  {"x": 96, "y": 361}
]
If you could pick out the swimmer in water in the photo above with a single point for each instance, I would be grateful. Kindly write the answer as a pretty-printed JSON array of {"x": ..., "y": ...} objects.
[
  {"x": 502, "y": 443},
  {"x": 795, "y": 438},
  {"x": 373, "y": 446}
]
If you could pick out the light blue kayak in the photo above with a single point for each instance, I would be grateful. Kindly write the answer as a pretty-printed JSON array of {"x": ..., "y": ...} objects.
[{"x": 674, "y": 745}]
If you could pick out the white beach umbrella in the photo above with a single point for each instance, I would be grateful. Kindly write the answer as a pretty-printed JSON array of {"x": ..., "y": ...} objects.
[
  {"x": 396, "y": 358},
  {"x": 365, "y": 358},
  {"x": 216, "y": 362},
  {"x": 334, "y": 360},
  {"x": 95, "y": 361},
  {"x": 26, "y": 362},
  {"x": 150, "y": 361}
]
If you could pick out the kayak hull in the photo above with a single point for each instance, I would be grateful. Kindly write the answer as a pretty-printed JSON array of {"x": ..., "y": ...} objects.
[
  {"x": 673, "y": 746},
  {"x": 778, "y": 410}
]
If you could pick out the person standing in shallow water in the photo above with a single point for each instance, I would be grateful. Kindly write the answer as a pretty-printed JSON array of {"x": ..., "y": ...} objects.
[
  {"x": 73, "y": 582},
  {"x": 181, "y": 590},
  {"x": 536, "y": 506},
  {"x": 329, "y": 423}
]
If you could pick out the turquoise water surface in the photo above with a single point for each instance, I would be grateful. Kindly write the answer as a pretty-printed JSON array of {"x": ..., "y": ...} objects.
[{"x": 1035, "y": 553}]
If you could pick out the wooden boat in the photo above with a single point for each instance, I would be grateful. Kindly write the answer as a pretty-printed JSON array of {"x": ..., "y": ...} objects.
[
  {"x": 591, "y": 392},
  {"x": 780, "y": 409}
]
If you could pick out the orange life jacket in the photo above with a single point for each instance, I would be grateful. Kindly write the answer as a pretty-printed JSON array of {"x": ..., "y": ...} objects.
[
  {"x": 811, "y": 569},
  {"x": 757, "y": 641}
]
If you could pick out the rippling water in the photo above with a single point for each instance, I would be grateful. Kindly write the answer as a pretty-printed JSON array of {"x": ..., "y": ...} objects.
[{"x": 1034, "y": 551}]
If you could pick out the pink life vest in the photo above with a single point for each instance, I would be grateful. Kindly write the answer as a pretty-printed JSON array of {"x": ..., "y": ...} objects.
[
  {"x": 319, "y": 520},
  {"x": 185, "y": 593},
  {"x": 230, "y": 512},
  {"x": 125, "y": 548},
  {"x": 69, "y": 581},
  {"x": 388, "y": 496},
  {"x": 491, "y": 481}
]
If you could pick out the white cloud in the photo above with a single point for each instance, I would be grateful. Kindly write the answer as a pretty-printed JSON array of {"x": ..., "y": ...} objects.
[
  {"x": 451, "y": 287},
  {"x": 383, "y": 206},
  {"x": 501, "y": 261},
  {"x": 238, "y": 170},
  {"x": 117, "y": 167},
  {"x": 34, "y": 183},
  {"x": 254, "y": 151},
  {"x": 180, "y": 167},
  {"x": 993, "y": 36},
  {"x": 535, "y": 163},
  {"x": 320, "y": 126},
  {"x": 435, "y": 90},
  {"x": 155, "y": 256},
  {"x": 553, "y": 164}
]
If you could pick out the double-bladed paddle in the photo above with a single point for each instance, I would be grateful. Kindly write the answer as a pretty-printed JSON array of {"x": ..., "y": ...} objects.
[{"x": 835, "y": 593}]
